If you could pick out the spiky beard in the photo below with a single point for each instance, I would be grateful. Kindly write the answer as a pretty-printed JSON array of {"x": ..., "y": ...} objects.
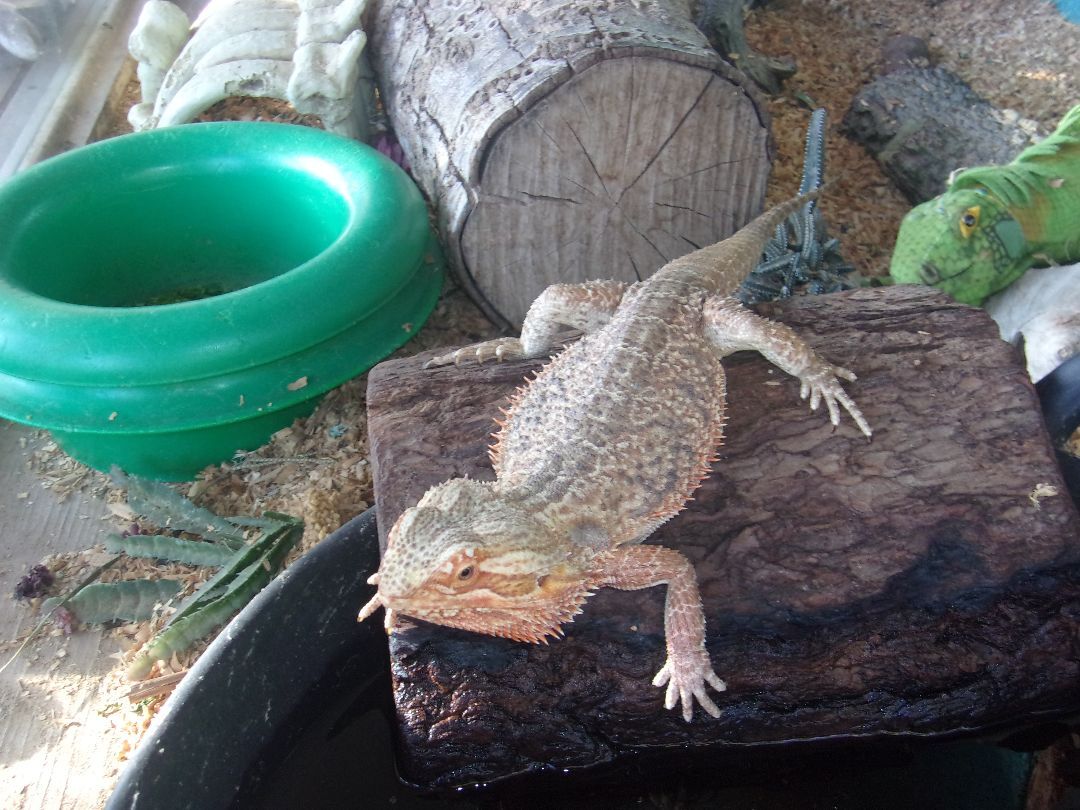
[{"x": 535, "y": 622}]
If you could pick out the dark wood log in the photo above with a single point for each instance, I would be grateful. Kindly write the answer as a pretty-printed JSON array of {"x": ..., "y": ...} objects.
[
  {"x": 921, "y": 584},
  {"x": 562, "y": 141},
  {"x": 722, "y": 21},
  {"x": 922, "y": 123}
]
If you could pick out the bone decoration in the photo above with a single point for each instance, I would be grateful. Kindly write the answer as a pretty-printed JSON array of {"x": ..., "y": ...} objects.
[
  {"x": 1041, "y": 312},
  {"x": 306, "y": 52}
]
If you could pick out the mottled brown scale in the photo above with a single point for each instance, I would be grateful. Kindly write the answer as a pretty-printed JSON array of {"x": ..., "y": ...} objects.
[
  {"x": 607, "y": 442},
  {"x": 587, "y": 423}
]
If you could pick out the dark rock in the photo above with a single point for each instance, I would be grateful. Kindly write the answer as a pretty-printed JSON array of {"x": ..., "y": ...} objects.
[
  {"x": 923, "y": 123},
  {"x": 35, "y": 583},
  {"x": 903, "y": 51},
  {"x": 911, "y": 586}
]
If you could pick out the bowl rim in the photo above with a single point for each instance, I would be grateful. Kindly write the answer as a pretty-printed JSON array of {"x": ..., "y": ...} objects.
[
  {"x": 48, "y": 340},
  {"x": 114, "y": 409}
]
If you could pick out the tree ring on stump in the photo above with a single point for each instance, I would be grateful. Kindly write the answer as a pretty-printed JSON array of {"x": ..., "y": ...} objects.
[{"x": 629, "y": 164}]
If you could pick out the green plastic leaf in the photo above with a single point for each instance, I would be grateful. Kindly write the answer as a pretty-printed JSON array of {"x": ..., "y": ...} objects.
[
  {"x": 130, "y": 600},
  {"x": 162, "y": 506},
  {"x": 173, "y": 549},
  {"x": 219, "y": 599},
  {"x": 268, "y": 551},
  {"x": 263, "y": 522}
]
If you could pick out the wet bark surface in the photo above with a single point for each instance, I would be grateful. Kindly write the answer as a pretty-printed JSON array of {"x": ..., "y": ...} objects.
[{"x": 918, "y": 584}]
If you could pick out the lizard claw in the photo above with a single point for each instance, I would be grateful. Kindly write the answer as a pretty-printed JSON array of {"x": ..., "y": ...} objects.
[
  {"x": 685, "y": 681},
  {"x": 505, "y": 348},
  {"x": 821, "y": 383}
]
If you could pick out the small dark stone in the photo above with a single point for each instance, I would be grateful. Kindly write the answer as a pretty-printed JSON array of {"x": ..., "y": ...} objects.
[{"x": 904, "y": 51}]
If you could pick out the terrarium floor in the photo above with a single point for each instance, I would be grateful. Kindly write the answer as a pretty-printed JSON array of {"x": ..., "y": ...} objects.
[{"x": 57, "y": 743}]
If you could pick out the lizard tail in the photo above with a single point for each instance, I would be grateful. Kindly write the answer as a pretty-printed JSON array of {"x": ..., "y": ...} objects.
[
  {"x": 722, "y": 267},
  {"x": 749, "y": 241}
]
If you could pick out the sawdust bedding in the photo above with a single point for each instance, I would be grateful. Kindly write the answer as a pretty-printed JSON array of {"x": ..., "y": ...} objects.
[{"x": 318, "y": 468}]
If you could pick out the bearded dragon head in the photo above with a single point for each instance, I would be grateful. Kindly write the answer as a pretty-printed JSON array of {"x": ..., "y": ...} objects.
[{"x": 464, "y": 557}]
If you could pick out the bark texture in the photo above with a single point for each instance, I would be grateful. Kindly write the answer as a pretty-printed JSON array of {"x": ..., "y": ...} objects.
[
  {"x": 566, "y": 141},
  {"x": 923, "y": 123},
  {"x": 921, "y": 584},
  {"x": 722, "y": 21}
]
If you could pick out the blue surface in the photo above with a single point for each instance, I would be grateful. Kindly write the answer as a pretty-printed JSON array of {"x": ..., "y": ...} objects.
[{"x": 1070, "y": 9}]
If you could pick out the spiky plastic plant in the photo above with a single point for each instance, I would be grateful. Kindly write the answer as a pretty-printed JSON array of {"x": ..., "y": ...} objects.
[{"x": 801, "y": 252}]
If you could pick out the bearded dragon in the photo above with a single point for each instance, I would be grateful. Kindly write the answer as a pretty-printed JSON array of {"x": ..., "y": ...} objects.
[
  {"x": 995, "y": 222},
  {"x": 606, "y": 443}
]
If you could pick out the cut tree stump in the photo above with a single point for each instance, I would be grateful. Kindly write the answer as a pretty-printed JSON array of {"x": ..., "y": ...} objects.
[
  {"x": 562, "y": 141},
  {"x": 922, "y": 584}
]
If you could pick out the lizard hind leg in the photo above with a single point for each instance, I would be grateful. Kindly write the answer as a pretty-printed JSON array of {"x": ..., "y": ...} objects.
[
  {"x": 731, "y": 327},
  {"x": 585, "y": 307}
]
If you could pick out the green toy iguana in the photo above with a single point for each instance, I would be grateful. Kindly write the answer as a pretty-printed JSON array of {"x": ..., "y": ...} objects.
[{"x": 994, "y": 222}]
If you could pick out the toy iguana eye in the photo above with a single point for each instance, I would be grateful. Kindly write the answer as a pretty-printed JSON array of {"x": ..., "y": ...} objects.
[{"x": 968, "y": 221}]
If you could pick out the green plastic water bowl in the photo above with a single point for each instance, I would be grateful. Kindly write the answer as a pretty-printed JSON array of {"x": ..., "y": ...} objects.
[{"x": 170, "y": 297}]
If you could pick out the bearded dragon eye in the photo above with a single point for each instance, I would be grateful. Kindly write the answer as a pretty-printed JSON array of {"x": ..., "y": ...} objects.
[
  {"x": 968, "y": 220},
  {"x": 466, "y": 573}
]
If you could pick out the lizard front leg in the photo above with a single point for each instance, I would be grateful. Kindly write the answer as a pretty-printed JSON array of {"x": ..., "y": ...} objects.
[
  {"x": 586, "y": 307},
  {"x": 731, "y": 327},
  {"x": 687, "y": 668}
]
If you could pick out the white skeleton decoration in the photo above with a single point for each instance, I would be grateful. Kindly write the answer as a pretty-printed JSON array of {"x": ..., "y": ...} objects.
[
  {"x": 306, "y": 52},
  {"x": 1041, "y": 309},
  {"x": 27, "y": 27}
]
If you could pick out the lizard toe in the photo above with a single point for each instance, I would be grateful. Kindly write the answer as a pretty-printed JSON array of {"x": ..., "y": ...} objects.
[
  {"x": 662, "y": 677},
  {"x": 705, "y": 701},
  {"x": 686, "y": 684},
  {"x": 442, "y": 360}
]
